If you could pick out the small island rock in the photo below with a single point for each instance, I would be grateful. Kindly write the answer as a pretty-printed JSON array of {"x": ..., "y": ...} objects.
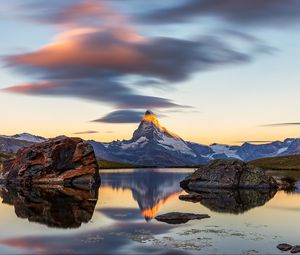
[
  {"x": 228, "y": 173},
  {"x": 284, "y": 247},
  {"x": 179, "y": 218}
]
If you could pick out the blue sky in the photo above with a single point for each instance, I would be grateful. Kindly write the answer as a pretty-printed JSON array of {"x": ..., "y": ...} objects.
[{"x": 216, "y": 71}]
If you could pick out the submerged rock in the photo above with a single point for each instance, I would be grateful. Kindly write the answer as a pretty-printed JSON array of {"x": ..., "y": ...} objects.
[
  {"x": 59, "y": 207},
  {"x": 228, "y": 174},
  {"x": 233, "y": 201},
  {"x": 295, "y": 249},
  {"x": 284, "y": 247},
  {"x": 179, "y": 218},
  {"x": 62, "y": 161}
]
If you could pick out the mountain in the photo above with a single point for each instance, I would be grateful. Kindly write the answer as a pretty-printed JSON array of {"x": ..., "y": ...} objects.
[
  {"x": 16, "y": 142},
  {"x": 151, "y": 145},
  {"x": 154, "y": 145}
]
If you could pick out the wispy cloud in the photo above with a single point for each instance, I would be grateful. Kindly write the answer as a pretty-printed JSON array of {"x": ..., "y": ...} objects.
[
  {"x": 122, "y": 116},
  {"x": 254, "y": 141},
  {"x": 245, "y": 12},
  {"x": 85, "y": 132},
  {"x": 282, "y": 124},
  {"x": 99, "y": 51}
]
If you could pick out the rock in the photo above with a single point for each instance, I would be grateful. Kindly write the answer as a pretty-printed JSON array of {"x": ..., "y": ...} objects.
[
  {"x": 285, "y": 183},
  {"x": 284, "y": 247},
  {"x": 295, "y": 249},
  {"x": 59, "y": 207},
  {"x": 179, "y": 218},
  {"x": 228, "y": 174},
  {"x": 233, "y": 201},
  {"x": 61, "y": 161}
]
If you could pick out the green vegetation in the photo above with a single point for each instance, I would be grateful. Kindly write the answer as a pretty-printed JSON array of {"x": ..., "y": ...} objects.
[
  {"x": 105, "y": 164},
  {"x": 291, "y": 162}
]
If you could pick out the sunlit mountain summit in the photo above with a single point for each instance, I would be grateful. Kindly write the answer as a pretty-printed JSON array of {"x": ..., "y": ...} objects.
[{"x": 151, "y": 145}]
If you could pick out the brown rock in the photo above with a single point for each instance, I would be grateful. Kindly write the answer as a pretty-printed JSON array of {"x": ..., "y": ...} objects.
[
  {"x": 62, "y": 161},
  {"x": 228, "y": 174},
  {"x": 284, "y": 247},
  {"x": 179, "y": 218},
  {"x": 295, "y": 249}
]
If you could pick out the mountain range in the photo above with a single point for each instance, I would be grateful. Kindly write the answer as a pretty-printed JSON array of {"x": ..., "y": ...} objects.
[{"x": 154, "y": 145}]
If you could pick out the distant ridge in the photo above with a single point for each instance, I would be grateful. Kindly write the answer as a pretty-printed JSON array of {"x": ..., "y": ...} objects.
[{"x": 154, "y": 145}]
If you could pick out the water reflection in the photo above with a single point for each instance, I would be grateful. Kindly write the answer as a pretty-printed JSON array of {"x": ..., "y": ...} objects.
[
  {"x": 150, "y": 188},
  {"x": 59, "y": 207},
  {"x": 230, "y": 201}
]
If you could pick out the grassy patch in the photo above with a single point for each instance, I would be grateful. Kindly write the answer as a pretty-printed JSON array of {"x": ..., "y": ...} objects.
[
  {"x": 291, "y": 162},
  {"x": 106, "y": 164}
]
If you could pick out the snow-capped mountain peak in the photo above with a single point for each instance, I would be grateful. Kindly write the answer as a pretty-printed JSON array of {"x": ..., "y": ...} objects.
[{"x": 151, "y": 128}]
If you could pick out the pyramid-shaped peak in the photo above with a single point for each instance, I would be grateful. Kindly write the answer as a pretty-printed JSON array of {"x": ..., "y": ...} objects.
[
  {"x": 149, "y": 112},
  {"x": 150, "y": 117}
]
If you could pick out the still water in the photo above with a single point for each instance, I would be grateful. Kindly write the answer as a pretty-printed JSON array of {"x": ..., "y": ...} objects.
[{"x": 119, "y": 218}]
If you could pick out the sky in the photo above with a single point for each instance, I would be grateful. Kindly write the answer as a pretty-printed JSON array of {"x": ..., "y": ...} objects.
[{"x": 224, "y": 71}]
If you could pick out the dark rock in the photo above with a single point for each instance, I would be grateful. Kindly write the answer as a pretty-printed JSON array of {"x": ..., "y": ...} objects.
[
  {"x": 59, "y": 207},
  {"x": 62, "y": 161},
  {"x": 233, "y": 201},
  {"x": 228, "y": 174},
  {"x": 179, "y": 218},
  {"x": 295, "y": 249},
  {"x": 284, "y": 247}
]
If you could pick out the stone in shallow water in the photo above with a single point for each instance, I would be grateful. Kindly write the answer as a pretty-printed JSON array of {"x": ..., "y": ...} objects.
[
  {"x": 179, "y": 218},
  {"x": 284, "y": 247},
  {"x": 228, "y": 174},
  {"x": 295, "y": 249}
]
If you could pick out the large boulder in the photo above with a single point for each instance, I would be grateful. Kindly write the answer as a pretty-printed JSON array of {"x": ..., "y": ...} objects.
[
  {"x": 61, "y": 161},
  {"x": 228, "y": 174}
]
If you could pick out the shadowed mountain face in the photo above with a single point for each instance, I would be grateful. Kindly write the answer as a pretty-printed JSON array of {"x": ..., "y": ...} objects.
[
  {"x": 55, "y": 207},
  {"x": 150, "y": 188},
  {"x": 233, "y": 201}
]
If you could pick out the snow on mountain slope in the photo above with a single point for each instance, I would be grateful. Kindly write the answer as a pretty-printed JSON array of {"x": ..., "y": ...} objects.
[
  {"x": 27, "y": 137},
  {"x": 224, "y": 149}
]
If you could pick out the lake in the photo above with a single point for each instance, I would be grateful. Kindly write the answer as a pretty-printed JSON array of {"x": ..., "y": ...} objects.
[{"x": 119, "y": 218}]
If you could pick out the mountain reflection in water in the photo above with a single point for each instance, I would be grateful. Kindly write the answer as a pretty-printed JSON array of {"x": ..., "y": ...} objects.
[
  {"x": 150, "y": 188},
  {"x": 58, "y": 207}
]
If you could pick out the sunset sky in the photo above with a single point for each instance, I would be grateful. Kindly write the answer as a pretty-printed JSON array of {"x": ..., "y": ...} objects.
[{"x": 223, "y": 71}]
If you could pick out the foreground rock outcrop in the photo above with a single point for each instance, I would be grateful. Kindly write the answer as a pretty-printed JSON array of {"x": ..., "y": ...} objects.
[
  {"x": 59, "y": 207},
  {"x": 179, "y": 218},
  {"x": 61, "y": 161},
  {"x": 228, "y": 174}
]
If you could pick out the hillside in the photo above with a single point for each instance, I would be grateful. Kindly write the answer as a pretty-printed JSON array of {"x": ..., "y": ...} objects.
[
  {"x": 106, "y": 164},
  {"x": 291, "y": 162}
]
